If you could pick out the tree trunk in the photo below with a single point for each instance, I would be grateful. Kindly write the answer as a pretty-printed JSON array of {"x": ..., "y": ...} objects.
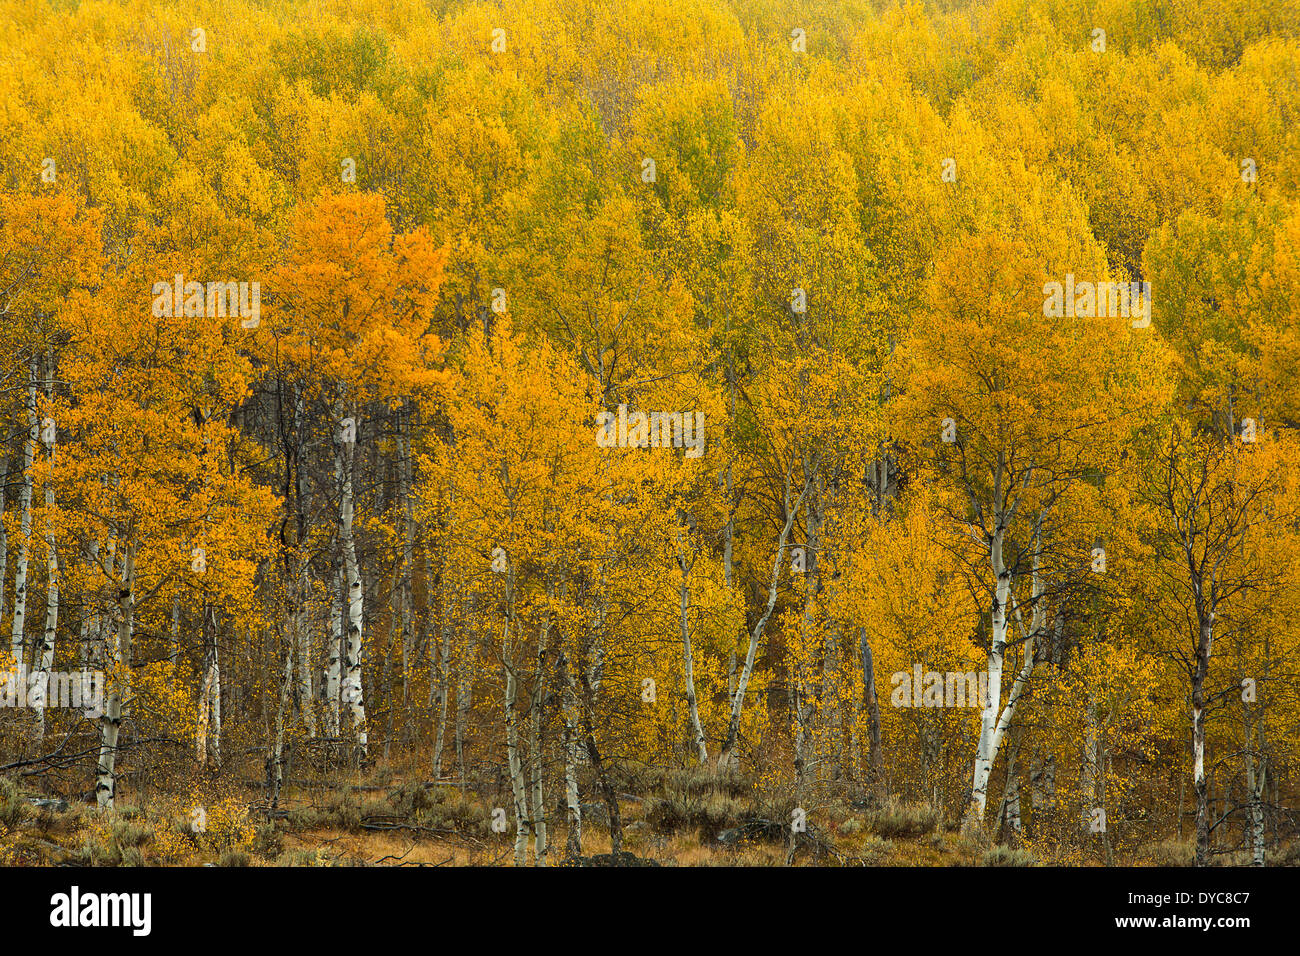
[
  {"x": 572, "y": 746},
  {"x": 352, "y": 686},
  {"x": 4, "y": 534},
  {"x": 405, "y": 474},
  {"x": 727, "y": 757},
  {"x": 120, "y": 659},
  {"x": 333, "y": 666},
  {"x": 25, "y": 524},
  {"x": 442, "y": 686},
  {"x": 205, "y": 710},
  {"x": 277, "y": 752},
  {"x": 46, "y": 658},
  {"x": 688, "y": 659},
  {"x": 1204, "y": 647},
  {"x": 535, "y": 754},
  {"x": 985, "y": 753},
  {"x": 1254, "y": 791},
  {"x": 877, "y": 763},
  {"x": 513, "y": 760},
  {"x": 993, "y": 727}
]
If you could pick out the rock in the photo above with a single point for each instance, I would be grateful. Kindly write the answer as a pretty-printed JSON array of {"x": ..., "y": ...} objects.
[
  {"x": 45, "y": 803},
  {"x": 754, "y": 830},
  {"x": 607, "y": 859}
]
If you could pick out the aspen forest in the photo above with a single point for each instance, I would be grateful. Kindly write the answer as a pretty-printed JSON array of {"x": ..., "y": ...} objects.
[{"x": 765, "y": 433}]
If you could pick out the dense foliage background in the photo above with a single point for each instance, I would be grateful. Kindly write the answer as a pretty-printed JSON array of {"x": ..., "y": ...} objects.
[{"x": 364, "y": 534}]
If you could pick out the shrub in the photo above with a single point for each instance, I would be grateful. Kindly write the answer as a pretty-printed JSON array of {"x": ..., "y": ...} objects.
[
  {"x": 896, "y": 820},
  {"x": 1172, "y": 853},
  {"x": 301, "y": 858},
  {"x": 13, "y": 808},
  {"x": 268, "y": 843},
  {"x": 1007, "y": 856}
]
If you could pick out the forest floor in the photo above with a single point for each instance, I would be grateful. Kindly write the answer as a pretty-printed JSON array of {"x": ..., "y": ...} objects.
[{"x": 680, "y": 818}]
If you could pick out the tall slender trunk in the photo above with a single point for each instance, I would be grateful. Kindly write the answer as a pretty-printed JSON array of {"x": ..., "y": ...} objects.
[
  {"x": 202, "y": 735},
  {"x": 876, "y": 763},
  {"x": 1013, "y": 790},
  {"x": 277, "y": 751},
  {"x": 46, "y": 657},
  {"x": 25, "y": 522},
  {"x": 984, "y": 754},
  {"x": 572, "y": 747},
  {"x": 587, "y": 706},
  {"x": 1204, "y": 648},
  {"x": 333, "y": 664},
  {"x": 301, "y": 633},
  {"x": 405, "y": 476},
  {"x": 353, "y": 690},
  {"x": 513, "y": 759},
  {"x": 727, "y": 757},
  {"x": 729, "y": 531},
  {"x": 92, "y": 619},
  {"x": 120, "y": 660},
  {"x": 214, "y": 742},
  {"x": 1255, "y": 777},
  {"x": 464, "y": 697},
  {"x": 535, "y": 755},
  {"x": 442, "y": 689},
  {"x": 4, "y": 534},
  {"x": 302, "y": 647},
  {"x": 805, "y": 700},
  {"x": 688, "y": 659},
  {"x": 992, "y": 726}
]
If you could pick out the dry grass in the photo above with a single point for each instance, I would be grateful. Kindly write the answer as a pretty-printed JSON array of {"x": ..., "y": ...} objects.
[{"x": 407, "y": 823}]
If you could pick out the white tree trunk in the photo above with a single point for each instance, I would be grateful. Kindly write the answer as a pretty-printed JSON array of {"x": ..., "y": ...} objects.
[
  {"x": 333, "y": 664},
  {"x": 442, "y": 689},
  {"x": 1255, "y": 775},
  {"x": 514, "y": 762},
  {"x": 986, "y": 751},
  {"x": 302, "y": 641},
  {"x": 405, "y": 476},
  {"x": 993, "y": 727},
  {"x": 214, "y": 742},
  {"x": 206, "y": 715},
  {"x": 688, "y": 659},
  {"x": 727, "y": 757},
  {"x": 1013, "y": 795},
  {"x": 354, "y": 694},
  {"x": 804, "y": 699},
  {"x": 46, "y": 659},
  {"x": 4, "y": 534},
  {"x": 120, "y": 659},
  {"x": 535, "y": 750},
  {"x": 1204, "y": 647},
  {"x": 25, "y": 522},
  {"x": 572, "y": 747},
  {"x": 277, "y": 751}
]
